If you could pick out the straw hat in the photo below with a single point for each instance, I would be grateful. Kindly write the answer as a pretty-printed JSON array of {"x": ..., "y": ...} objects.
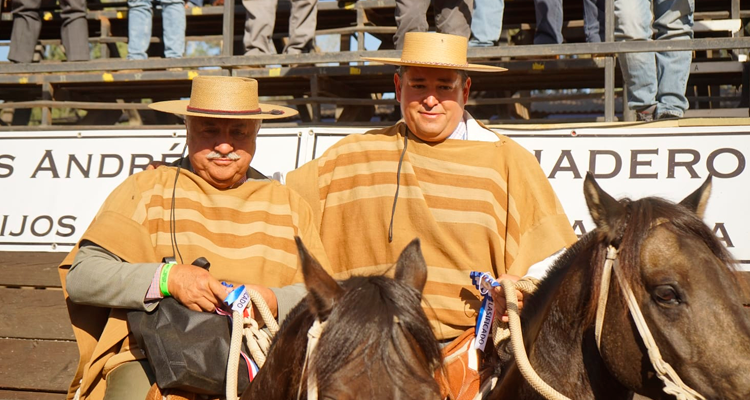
[
  {"x": 435, "y": 50},
  {"x": 224, "y": 97}
]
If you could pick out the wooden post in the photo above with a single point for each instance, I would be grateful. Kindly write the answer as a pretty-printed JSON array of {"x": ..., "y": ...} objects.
[{"x": 227, "y": 47}]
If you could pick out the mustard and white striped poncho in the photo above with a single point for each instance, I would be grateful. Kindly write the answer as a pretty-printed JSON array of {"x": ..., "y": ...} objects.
[
  {"x": 247, "y": 233},
  {"x": 483, "y": 206}
]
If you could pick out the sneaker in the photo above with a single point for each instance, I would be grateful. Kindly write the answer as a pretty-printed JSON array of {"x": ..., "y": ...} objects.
[
  {"x": 667, "y": 115},
  {"x": 645, "y": 114}
]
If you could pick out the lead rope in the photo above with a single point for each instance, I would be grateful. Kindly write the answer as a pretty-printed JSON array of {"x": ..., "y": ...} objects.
[
  {"x": 258, "y": 341},
  {"x": 501, "y": 334},
  {"x": 519, "y": 350},
  {"x": 673, "y": 385}
]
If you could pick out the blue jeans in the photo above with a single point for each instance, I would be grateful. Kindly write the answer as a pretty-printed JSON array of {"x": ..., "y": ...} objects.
[
  {"x": 655, "y": 78},
  {"x": 486, "y": 22},
  {"x": 549, "y": 21},
  {"x": 593, "y": 20},
  {"x": 139, "y": 28}
]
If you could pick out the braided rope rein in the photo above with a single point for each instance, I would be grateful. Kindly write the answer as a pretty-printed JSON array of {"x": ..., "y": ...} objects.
[
  {"x": 513, "y": 331},
  {"x": 258, "y": 341}
]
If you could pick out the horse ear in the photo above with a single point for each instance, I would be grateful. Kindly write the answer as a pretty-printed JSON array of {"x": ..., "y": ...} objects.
[
  {"x": 322, "y": 289},
  {"x": 411, "y": 268},
  {"x": 604, "y": 209},
  {"x": 698, "y": 200}
]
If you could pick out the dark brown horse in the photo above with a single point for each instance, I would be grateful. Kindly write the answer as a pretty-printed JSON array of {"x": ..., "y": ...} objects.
[
  {"x": 684, "y": 283},
  {"x": 376, "y": 343}
]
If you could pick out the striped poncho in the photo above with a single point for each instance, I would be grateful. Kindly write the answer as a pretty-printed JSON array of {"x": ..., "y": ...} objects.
[
  {"x": 483, "y": 206},
  {"x": 247, "y": 233}
]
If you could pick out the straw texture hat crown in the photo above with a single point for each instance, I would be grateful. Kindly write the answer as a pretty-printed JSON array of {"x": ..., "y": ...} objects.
[
  {"x": 224, "y": 97},
  {"x": 435, "y": 50}
]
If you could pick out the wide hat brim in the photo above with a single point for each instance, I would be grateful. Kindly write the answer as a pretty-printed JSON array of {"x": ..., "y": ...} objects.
[
  {"x": 464, "y": 67},
  {"x": 267, "y": 111}
]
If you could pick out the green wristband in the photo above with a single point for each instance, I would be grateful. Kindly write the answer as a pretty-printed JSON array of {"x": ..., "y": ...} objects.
[{"x": 164, "y": 279}]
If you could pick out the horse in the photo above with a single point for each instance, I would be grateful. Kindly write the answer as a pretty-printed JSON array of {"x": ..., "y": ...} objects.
[
  {"x": 376, "y": 342},
  {"x": 685, "y": 284}
]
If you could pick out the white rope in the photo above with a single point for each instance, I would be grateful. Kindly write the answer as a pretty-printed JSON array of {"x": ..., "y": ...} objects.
[
  {"x": 516, "y": 340},
  {"x": 258, "y": 341},
  {"x": 673, "y": 385},
  {"x": 313, "y": 335}
]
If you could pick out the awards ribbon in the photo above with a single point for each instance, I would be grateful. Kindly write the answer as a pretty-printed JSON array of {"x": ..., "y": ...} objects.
[{"x": 484, "y": 282}]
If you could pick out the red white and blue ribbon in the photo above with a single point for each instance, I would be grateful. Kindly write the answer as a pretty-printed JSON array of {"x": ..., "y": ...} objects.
[
  {"x": 484, "y": 282},
  {"x": 238, "y": 300}
]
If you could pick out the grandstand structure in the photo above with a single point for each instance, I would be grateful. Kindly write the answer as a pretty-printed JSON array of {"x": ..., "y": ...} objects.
[{"x": 573, "y": 80}]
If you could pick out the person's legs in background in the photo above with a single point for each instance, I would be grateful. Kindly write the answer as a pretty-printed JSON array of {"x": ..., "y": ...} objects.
[
  {"x": 173, "y": 22},
  {"x": 75, "y": 30},
  {"x": 593, "y": 20},
  {"x": 139, "y": 28},
  {"x": 410, "y": 17},
  {"x": 549, "y": 21},
  {"x": 486, "y": 22},
  {"x": 633, "y": 22},
  {"x": 27, "y": 24},
  {"x": 453, "y": 16},
  {"x": 260, "y": 18},
  {"x": 673, "y": 20},
  {"x": 302, "y": 23}
]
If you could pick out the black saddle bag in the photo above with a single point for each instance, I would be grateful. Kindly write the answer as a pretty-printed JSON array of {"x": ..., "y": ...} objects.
[{"x": 187, "y": 350}]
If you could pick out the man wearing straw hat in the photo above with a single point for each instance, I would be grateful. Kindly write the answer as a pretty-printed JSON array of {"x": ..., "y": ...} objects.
[
  {"x": 212, "y": 205},
  {"x": 478, "y": 200}
]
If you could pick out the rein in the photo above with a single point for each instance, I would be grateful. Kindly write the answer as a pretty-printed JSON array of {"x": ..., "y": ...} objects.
[
  {"x": 258, "y": 342},
  {"x": 673, "y": 385}
]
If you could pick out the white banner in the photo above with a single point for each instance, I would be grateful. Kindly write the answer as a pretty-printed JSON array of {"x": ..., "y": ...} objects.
[{"x": 52, "y": 183}]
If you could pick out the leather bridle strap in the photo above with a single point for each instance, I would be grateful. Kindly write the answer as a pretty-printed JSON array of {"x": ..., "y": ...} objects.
[
  {"x": 673, "y": 385},
  {"x": 313, "y": 335}
]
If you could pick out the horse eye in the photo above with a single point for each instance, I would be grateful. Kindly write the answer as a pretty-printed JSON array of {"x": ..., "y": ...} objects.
[{"x": 666, "y": 294}]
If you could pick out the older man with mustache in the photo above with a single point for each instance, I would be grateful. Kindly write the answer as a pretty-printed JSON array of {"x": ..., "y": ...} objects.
[{"x": 139, "y": 248}]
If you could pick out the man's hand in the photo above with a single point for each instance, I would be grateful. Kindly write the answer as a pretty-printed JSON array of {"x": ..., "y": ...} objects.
[
  {"x": 498, "y": 296},
  {"x": 195, "y": 288}
]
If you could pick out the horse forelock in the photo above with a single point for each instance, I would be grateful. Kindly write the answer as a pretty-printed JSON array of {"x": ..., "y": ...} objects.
[{"x": 368, "y": 325}]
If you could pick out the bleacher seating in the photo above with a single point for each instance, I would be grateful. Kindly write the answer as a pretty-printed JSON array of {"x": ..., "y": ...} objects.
[{"x": 336, "y": 79}]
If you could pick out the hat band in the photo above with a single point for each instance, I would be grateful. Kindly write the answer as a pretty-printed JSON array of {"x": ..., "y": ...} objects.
[
  {"x": 434, "y": 63},
  {"x": 225, "y": 112}
]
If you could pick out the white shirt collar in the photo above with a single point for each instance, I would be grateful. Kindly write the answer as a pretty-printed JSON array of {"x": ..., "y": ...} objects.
[{"x": 469, "y": 129}]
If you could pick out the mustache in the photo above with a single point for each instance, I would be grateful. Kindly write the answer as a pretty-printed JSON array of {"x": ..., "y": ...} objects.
[{"x": 215, "y": 154}]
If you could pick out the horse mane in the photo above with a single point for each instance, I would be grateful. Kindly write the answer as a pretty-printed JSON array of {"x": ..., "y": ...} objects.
[
  {"x": 371, "y": 315},
  {"x": 642, "y": 215},
  {"x": 535, "y": 304}
]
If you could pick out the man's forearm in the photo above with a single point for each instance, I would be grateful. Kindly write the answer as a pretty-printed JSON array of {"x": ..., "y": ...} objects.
[{"x": 100, "y": 278}]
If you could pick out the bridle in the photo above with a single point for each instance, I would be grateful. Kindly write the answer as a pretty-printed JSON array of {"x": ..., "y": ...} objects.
[
  {"x": 313, "y": 335},
  {"x": 673, "y": 385}
]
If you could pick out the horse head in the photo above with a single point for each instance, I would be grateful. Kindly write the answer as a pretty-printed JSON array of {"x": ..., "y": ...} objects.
[
  {"x": 584, "y": 340},
  {"x": 687, "y": 291},
  {"x": 373, "y": 338}
]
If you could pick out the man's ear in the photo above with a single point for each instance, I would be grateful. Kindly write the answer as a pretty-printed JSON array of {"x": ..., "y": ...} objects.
[
  {"x": 397, "y": 84},
  {"x": 467, "y": 86}
]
